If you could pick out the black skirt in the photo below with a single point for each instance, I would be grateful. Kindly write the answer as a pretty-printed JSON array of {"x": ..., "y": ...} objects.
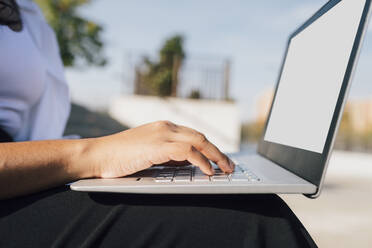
[{"x": 63, "y": 218}]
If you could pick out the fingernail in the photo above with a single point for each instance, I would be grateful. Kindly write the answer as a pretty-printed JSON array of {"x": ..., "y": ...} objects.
[{"x": 231, "y": 164}]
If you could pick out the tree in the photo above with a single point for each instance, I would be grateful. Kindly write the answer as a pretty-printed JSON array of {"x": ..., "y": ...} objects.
[
  {"x": 161, "y": 77},
  {"x": 79, "y": 39}
]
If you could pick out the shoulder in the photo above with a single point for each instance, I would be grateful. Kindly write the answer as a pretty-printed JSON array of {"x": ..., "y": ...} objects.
[
  {"x": 40, "y": 31},
  {"x": 34, "y": 20},
  {"x": 30, "y": 7},
  {"x": 43, "y": 36}
]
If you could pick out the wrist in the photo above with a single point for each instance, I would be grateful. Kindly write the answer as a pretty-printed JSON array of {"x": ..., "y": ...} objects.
[{"x": 80, "y": 162}]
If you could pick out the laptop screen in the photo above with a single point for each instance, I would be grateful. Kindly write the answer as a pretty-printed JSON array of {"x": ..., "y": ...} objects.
[{"x": 312, "y": 77}]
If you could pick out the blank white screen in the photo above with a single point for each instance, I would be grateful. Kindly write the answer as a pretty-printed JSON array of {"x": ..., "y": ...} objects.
[{"x": 312, "y": 77}]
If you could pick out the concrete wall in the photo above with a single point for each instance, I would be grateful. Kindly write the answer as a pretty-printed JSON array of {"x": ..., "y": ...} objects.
[{"x": 219, "y": 121}]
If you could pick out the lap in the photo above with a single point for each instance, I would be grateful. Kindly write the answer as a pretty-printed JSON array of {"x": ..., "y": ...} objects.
[{"x": 64, "y": 218}]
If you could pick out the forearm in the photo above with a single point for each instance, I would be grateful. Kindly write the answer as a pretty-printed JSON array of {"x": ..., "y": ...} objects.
[{"x": 27, "y": 167}]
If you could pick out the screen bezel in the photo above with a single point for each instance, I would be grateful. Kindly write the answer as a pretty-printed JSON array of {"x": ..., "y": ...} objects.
[{"x": 307, "y": 164}]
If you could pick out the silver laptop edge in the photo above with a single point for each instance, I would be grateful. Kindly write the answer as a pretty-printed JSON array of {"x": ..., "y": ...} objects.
[{"x": 273, "y": 179}]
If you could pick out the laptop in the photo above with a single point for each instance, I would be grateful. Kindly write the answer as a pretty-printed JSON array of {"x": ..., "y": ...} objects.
[{"x": 300, "y": 130}]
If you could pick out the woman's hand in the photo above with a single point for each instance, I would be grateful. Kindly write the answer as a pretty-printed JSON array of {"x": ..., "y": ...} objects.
[{"x": 139, "y": 148}]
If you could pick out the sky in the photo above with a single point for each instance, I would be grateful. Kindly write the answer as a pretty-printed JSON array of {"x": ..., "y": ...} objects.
[{"x": 252, "y": 34}]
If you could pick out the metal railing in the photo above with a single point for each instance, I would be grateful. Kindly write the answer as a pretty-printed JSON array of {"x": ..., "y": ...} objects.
[{"x": 204, "y": 77}]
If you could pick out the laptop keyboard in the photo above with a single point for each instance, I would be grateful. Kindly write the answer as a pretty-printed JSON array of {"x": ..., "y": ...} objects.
[{"x": 194, "y": 174}]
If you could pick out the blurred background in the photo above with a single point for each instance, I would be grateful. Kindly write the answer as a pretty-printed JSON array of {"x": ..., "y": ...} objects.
[{"x": 211, "y": 65}]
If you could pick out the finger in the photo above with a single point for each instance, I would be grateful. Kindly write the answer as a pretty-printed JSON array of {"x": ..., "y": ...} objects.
[
  {"x": 183, "y": 151},
  {"x": 203, "y": 145}
]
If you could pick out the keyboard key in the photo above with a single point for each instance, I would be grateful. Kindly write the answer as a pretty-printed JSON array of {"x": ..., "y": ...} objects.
[
  {"x": 183, "y": 173},
  {"x": 219, "y": 172},
  {"x": 239, "y": 177},
  {"x": 163, "y": 179},
  {"x": 148, "y": 179},
  {"x": 166, "y": 174},
  {"x": 182, "y": 178},
  {"x": 201, "y": 178},
  {"x": 220, "y": 178},
  {"x": 238, "y": 173}
]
